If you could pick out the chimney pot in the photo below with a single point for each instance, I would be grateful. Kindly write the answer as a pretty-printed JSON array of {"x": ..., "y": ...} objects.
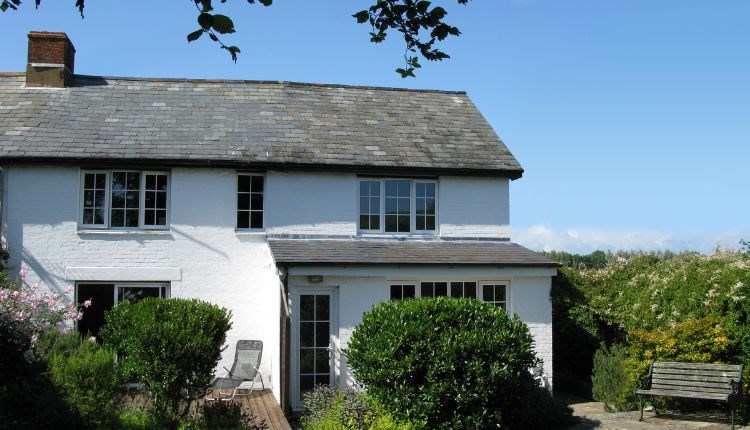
[{"x": 51, "y": 60}]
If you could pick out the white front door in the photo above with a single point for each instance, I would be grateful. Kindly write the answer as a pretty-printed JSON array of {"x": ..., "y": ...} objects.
[{"x": 314, "y": 330}]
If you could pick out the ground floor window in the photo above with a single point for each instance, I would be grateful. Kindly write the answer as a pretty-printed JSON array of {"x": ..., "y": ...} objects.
[
  {"x": 104, "y": 296},
  {"x": 494, "y": 292}
]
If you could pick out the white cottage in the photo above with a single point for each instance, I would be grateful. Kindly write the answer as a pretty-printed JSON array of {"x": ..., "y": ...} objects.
[{"x": 297, "y": 206}]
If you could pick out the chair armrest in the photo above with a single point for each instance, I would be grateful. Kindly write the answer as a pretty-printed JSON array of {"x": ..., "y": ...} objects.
[{"x": 736, "y": 387}]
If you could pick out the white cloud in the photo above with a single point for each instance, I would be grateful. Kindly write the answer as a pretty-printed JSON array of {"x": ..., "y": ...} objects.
[{"x": 585, "y": 240}]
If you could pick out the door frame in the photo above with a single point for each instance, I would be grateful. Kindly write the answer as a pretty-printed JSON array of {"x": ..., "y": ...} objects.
[{"x": 295, "y": 292}]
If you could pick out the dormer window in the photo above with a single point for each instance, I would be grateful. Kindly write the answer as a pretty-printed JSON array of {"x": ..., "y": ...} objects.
[
  {"x": 397, "y": 206},
  {"x": 124, "y": 199}
]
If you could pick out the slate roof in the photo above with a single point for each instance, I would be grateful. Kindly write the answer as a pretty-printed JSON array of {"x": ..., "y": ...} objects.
[
  {"x": 252, "y": 123},
  {"x": 395, "y": 252}
]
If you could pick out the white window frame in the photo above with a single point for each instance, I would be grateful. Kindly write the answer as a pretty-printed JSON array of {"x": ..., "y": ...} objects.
[
  {"x": 412, "y": 207},
  {"x": 479, "y": 288},
  {"x": 108, "y": 200},
  {"x": 82, "y": 199},
  {"x": 142, "y": 211},
  {"x": 508, "y": 301},
  {"x": 250, "y": 211},
  {"x": 414, "y": 284}
]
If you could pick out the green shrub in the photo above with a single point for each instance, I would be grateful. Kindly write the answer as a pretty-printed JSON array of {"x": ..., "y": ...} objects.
[
  {"x": 609, "y": 381},
  {"x": 449, "y": 363},
  {"x": 224, "y": 415},
  {"x": 329, "y": 408},
  {"x": 170, "y": 346},
  {"x": 27, "y": 398},
  {"x": 87, "y": 379}
]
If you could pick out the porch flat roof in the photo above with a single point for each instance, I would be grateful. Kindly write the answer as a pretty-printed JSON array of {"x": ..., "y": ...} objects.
[{"x": 308, "y": 252}]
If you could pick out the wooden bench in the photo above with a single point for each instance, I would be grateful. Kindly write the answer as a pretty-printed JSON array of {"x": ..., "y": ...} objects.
[{"x": 719, "y": 382}]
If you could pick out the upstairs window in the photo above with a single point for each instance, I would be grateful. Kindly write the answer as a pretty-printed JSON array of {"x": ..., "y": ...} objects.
[
  {"x": 398, "y": 206},
  {"x": 250, "y": 201},
  {"x": 124, "y": 199}
]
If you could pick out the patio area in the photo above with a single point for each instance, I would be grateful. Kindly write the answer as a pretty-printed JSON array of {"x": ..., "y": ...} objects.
[{"x": 263, "y": 404}]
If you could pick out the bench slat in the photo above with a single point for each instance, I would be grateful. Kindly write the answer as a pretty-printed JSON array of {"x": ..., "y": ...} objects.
[
  {"x": 697, "y": 366},
  {"x": 696, "y": 384},
  {"x": 679, "y": 372},
  {"x": 695, "y": 377},
  {"x": 691, "y": 389},
  {"x": 685, "y": 394}
]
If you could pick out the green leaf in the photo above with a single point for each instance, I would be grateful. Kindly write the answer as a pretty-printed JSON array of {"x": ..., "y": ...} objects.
[
  {"x": 223, "y": 24},
  {"x": 361, "y": 16},
  {"x": 213, "y": 37},
  {"x": 194, "y": 35},
  {"x": 205, "y": 20},
  {"x": 3, "y": 6}
]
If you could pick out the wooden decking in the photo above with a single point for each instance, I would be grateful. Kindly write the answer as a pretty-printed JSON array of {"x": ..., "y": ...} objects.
[{"x": 263, "y": 404}]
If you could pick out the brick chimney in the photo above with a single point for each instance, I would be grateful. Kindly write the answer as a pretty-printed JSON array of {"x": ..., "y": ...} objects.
[{"x": 51, "y": 58}]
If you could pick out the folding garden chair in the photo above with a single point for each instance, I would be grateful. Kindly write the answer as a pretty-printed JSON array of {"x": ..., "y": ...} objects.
[{"x": 243, "y": 374}]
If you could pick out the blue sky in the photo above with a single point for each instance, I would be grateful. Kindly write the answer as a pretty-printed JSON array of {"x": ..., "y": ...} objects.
[{"x": 631, "y": 118}]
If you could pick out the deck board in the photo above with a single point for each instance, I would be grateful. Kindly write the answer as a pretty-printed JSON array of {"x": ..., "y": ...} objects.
[{"x": 262, "y": 404}]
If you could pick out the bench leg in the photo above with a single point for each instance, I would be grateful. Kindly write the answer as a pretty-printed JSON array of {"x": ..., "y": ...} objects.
[
  {"x": 732, "y": 418},
  {"x": 640, "y": 401}
]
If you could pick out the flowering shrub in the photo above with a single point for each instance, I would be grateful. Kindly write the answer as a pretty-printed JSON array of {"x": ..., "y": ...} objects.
[
  {"x": 36, "y": 311},
  {"x": 678, "y": 307}
]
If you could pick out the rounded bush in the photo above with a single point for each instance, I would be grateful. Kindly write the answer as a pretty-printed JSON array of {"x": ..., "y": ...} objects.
[
  {"x": 170, "y": 346},
  {"x": 450, "y": 363},
  {"x": 87, "y": 378}
]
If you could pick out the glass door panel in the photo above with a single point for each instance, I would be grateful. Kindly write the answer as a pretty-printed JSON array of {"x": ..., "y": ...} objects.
[{"x": 314, "y": 341}]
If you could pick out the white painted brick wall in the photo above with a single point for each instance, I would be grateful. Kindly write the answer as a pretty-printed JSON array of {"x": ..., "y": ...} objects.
[
  {"x": 215, "y": 264},
  {"x": 474, "y": 207}
]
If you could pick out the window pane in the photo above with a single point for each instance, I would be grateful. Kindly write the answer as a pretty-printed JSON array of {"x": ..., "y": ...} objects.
[
  {"x": 88, "y": 180},
  {"x": 470, "y": 289},
  {"x": 256, "y": 201},
  {"x": 99, "y": 198},
  {"x": 306, "y": 383},
  {"x": 307, "y": 360},
  {"x": 403, "y": 187},
  {"x": 457, "y": 289},
  {"x": 88, "y": 216},
  {"x": 88, "y": 198},
  {"x": 243, "y": 183},
  {"x": 161, "y": 182},
  {"x": 118, "y": 218},
  {"x": 408, "y": 291},
  {"x": 420, "y": 223},
  {"x": 364, "y": 205},
  {"x": 430, "y": 190},
  {"x": 307, "y": 306},
  {"x": 118, "y": 199},
  {"x": 243, "y": 219},
  {"x": 307, "y": 334},
  {"x": 430, "y": 223},
  {"x": 391, "y": 206},
  {"x": 101, "y": 180},
  {"x": 149, "y": 199},
  {"x": 500, "y": 293},
  {"x": 150, "y": 182},
  {"x": 322, "y": 380},
  {"x": 364, "y": 188},
  {"x": 375, "y": 222},
  {"x": 322, "y": 364},
  {"x": 403, "y": 223},
  {"x": 131, "y": 199},
  {"x": 390, "y": 188},
  {"x": 374, "y": 205},
  {"x": 427, "y": 289},
  {"x": 256, "y": 219},
  {"x": 118, "y": 181},
  {"x": 99, "y": 216},
  {"x": 322, "y": 334},
  {"x": 419, "y": 206},
  {"x": 136, "y": 294},
  {"x": 161, "y": 200},
  {"x": 102, "y": 299},
  {"x": 364, "y": 222},
  {"x": 134, "y": 180},
  {"x": 243, "y": 201},
  {"x": 430, "y": 206},
  {"x": 257, "y": 184},
  {"x": 161, "y": 217},
  {"x": 390, "y": 223},
  {"x": 396, "y": 292},
  {"x": 375, "y": 188},
  {"x": 487, "y": 293},
  {"x": 131, "y": 218},
  {"x": 322, "y": 307},
  {"x": 420, "y": 189},
  {"x": 149, "y": 217},
  {"x": 441, "y": 289},
  {"x": 403, "y": 206}
]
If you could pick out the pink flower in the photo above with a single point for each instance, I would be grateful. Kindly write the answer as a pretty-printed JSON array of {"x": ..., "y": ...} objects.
[
  {"x": 87, "y": 303},
  {"x": 23, "y": 272}
]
